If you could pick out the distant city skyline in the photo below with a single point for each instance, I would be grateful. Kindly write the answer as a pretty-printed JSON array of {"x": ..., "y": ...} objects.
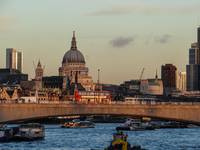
[{"x": 117, "y": 37}]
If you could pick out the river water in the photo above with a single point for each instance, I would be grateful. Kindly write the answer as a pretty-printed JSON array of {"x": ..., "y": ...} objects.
[{"x": 98, "y": 138}]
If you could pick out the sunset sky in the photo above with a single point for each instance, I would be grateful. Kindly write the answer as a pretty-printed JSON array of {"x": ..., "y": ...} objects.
[{"x": 120, "y": 37}]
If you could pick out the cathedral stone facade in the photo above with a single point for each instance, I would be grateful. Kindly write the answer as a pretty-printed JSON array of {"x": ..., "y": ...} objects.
[{"x": 73, "y": 64}]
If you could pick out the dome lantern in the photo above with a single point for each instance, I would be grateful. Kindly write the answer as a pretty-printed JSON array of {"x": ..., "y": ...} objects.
[{"x": 73, "y": 43}]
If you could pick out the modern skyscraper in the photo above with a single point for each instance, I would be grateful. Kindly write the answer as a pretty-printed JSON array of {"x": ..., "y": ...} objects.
[
  {"x": 193, "y": 69},
  {"x": 193, "y": 78},
  {"x": 194, "y": 54},
  {"x": 11, "y": 55},
  {"x": 14, "y": 59},
  {"x": 168, "y": 76}
]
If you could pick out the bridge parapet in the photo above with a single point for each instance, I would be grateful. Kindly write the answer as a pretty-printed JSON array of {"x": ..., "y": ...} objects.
[{"x": 110, "y": 103}]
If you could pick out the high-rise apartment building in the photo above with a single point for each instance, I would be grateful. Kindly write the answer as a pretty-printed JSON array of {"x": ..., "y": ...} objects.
[{"x": 14, "y": 59}]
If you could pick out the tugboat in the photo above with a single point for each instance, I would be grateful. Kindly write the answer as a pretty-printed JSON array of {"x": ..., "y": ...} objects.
[
  {"x": 78, "y": 124},
  {"x": 119, "y": 142},
  {"x": 135, "y": 125},
  {"x": 28, "y": 132}
]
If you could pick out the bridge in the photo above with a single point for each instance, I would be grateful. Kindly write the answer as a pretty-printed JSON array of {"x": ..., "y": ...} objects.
[{"x": 186, "y": 112}]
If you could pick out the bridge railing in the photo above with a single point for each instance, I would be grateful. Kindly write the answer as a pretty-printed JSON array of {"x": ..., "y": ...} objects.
[
  {"x": 108, "y": 103},
  {"x": 38, "y": 102}
]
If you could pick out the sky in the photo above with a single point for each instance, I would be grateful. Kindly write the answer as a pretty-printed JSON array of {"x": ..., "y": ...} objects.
[{"x": 119, "y": 37}]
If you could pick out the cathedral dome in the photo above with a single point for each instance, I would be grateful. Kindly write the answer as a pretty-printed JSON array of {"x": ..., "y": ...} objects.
[{"x": 73, "y": 55}]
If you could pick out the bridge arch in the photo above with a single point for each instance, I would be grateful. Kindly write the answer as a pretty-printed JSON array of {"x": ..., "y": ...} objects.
[{"x": 184, "y": 112}]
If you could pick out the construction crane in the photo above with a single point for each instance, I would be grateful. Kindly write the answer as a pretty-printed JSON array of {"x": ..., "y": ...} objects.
[{"x": 141, "y": 74}]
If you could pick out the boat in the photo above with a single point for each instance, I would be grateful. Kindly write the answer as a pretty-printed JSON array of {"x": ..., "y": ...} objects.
[
  {"x": 78, "y": 124},
  {"x": 120, "y": 142},
  {"x": 28, "y": 132},
  {"x": 135, "y": 125},
  {"x": 192, "y": 126},
  {"x": 2, "y": 126},
  {"x": 6, "y": 134},
  {"x": 24, "y": 132}
]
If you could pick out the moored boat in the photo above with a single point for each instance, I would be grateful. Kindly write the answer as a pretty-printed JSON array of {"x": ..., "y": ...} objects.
[
  {"x": 2, "y": 126},
  {"x": 6, "y": 134},
  {"x": 135, "y": 125},
  {"x": 78, "y": 124},
  {"x": 29, "y": 132},
  {"x": 24, "y": 132}
]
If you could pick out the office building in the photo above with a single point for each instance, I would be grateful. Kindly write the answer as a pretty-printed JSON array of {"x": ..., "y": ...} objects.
[
  {"x": 20, "y": 61},
  {"x": 151, "y": 86},
  {"x": 14, "y": 59},
  {"x": 11, "y": 58},
  {"x": 131, "y": 87},
  {"x": 193, "y": 68},
  {"x": 12, "y": 76},
  {"x": 193, "y": 77},
  {"x": 168, "y": 76}
]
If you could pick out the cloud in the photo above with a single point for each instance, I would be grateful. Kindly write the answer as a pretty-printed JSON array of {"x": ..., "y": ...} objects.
[
  {"x": 121, "y": 41},
  {"x": 163, "y": 39},
  {"x": 148, "y": 8},
  {"x": 110, "y": 12}
]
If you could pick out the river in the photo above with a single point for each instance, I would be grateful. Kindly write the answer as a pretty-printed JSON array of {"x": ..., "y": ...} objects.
[{"x": 98, "y": 138}]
